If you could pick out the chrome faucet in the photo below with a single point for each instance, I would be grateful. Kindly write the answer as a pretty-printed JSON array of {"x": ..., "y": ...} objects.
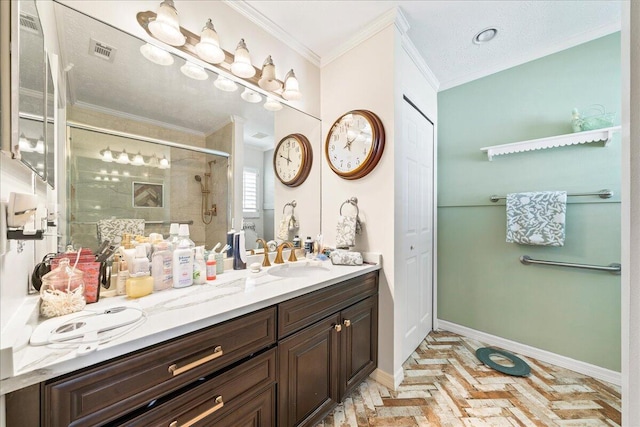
[
  {"x": 265, "y": 261},
  {"x": 292, "y": 255}
]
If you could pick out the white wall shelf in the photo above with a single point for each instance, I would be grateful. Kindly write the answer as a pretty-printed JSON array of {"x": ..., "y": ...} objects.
[{"x": 553, "y": 141}]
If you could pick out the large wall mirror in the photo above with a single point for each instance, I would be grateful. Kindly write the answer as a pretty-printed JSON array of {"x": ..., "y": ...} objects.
[{"x": 161, "y": 142}]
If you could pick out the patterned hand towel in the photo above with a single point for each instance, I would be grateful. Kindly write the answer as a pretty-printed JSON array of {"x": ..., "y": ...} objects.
[
  {"x": 283, "y": 229},
  {"x": 346, "y": 231},
  {"x": 536, "y": 218}
]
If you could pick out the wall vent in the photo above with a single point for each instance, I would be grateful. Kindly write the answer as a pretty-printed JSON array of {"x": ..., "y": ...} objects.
[
  {"x": 30, "y": 23},
  {"x": 102, "y": 50}
]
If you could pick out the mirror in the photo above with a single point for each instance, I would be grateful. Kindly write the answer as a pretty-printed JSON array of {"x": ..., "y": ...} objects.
[
  {"x": 34, "y": 103},
  {"x": 119, "y": 101}
]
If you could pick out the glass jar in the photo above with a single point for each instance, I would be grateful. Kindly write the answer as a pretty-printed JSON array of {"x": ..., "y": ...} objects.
[{"x": 62, "y": 291}]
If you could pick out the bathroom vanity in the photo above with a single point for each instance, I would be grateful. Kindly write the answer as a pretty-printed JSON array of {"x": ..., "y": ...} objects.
[{"x": 288, "y": 350}]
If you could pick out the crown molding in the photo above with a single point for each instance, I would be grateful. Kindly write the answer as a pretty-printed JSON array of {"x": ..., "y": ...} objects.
[
  {"x": 133, "y": 117},
  {"x": 566, "y": 44},
  {"x": 249, "y": 12},
  {"x": 377, "y": 25},
  {"x": 407, "y": 44}
]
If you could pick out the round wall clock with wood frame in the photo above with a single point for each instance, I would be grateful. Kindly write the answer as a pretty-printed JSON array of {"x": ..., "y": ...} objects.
[
  {"x": 292, "y": 159},
  {"x": 355, "y": 144}
]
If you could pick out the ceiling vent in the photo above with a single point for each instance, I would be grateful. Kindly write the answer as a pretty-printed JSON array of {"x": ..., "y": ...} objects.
[
  {"x": 30, "y": 23},
  {"x": 102, "y": 51},
  {"x": 259, "y": 135}
]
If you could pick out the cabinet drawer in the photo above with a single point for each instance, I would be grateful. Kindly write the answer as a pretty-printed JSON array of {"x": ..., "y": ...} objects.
[
  {"x": 302, "y": 311},
  {"x": 109, "y": 391},
  {"x": 228, "y": 396}
]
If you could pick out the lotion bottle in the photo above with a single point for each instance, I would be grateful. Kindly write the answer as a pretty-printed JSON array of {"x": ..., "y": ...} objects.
[
  {"x": 174, "y": 229},
  {"x": 183, "y": 259},
  {"x": 140, "y": 262},
  {"x": 199, "y": 267},
  {"x": 123, "y": 275},
  {"x": 162, "y": 266}
]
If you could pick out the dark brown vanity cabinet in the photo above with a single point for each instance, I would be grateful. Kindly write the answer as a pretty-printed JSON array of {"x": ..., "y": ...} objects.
[
  {"x": 285, "y": 365},
  {"x": 328, "y": 345}
]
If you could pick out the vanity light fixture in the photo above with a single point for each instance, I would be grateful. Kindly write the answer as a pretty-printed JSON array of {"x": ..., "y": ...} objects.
[
  {"x": 123, "y": 158},
  {"x": 225, "y": 84},
  {"x": 138, "y": 160},
  {"x": 40, "y": 165},
  {"x": 194, "y": 71},
  {"x": 107, "y": 155},
  {"x": 291, "y": 90},
  {"x": 268, "y": 79},
  {"x": 206, "y": 46},
  {"x": 272, "y": 105},
  {"x": 164, "y": 163},
  {"x": 251, "y": 96},
  {"x": 209, "y": 46},
  {"x": 241, "y": 65},
  {"x": 166, "y": 27},
  {"x": 97, "y": 178},
  {"x": 153, "y": 161},
  {"x": 485, "y": 35},
  {"x": 156, "y": 55}
]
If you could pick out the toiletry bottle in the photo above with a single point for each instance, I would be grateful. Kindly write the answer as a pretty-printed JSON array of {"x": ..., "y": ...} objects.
[
  {"x": 183, "y": 259},
  {"x": 115, "y": 269},
  {"x": 211, "y": 266},
  {"x": 162, "y": 266},
  {"x": 230, "y": 236},
  {"x": 308, "y": 246},
  {"x": 239, "y": 251},
  {"x": 296, "y": 242},
  {"x": 199, "y": 267},
  {"x": 139, "y": 285},
  {"x": 123, "y": 275},
  {"x": 140, "y": 262},
  {"x": 174, "y": 229}
]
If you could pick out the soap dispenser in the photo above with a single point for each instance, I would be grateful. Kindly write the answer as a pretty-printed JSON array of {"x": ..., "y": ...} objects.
[{"x": 183, "y": 259}]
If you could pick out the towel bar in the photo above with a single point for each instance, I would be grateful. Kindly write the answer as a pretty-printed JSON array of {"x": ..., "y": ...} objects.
[
  {"x": 612, "y": 268},
  {"x": 603, "y": 194}
]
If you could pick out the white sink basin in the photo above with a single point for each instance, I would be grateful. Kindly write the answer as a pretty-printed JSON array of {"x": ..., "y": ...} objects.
[{"x": 297, "y": 270}]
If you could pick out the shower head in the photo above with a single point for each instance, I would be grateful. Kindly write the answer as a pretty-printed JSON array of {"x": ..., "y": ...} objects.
[{"x": 199, "y": 179}]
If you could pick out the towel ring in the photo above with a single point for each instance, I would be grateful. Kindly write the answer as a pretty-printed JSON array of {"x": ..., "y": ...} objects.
[
  {"x": 293, "y": 204},
  {"x": 354, "y": 202}
]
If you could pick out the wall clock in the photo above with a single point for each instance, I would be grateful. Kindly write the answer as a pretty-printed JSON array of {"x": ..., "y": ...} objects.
[
  {"x": 292, "y": 159},
  {"x": 355, "y": 144}
]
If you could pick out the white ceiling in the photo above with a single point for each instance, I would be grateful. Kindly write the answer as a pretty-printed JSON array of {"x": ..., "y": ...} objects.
[{"x": 442, "y": 31}]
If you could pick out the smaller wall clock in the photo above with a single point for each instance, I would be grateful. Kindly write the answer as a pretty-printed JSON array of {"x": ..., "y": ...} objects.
[
  {"x": 292, "y": 159},
  {"x": 355, "y": 144}
]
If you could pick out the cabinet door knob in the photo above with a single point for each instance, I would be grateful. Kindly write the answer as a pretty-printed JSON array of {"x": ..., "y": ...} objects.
[
  {"x": 218, "y": 404},
  {"x": 338, "y": 328},
  {"x": 347, "y": 323}
]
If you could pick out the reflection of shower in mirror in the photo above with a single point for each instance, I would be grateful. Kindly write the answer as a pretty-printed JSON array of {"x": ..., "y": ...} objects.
[{"x": 207, "y": 213}]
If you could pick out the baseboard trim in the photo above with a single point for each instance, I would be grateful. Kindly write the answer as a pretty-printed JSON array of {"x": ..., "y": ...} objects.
[
  {"x": 542, "y": 355},
  {"x": 389, "y": 381}
]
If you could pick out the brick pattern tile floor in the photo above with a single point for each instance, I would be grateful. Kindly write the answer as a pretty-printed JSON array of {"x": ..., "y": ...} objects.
[{"x": 446, "y": 385}]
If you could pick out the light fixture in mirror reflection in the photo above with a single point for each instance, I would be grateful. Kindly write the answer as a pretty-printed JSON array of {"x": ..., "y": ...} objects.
[{"x": 108, "y": 155}]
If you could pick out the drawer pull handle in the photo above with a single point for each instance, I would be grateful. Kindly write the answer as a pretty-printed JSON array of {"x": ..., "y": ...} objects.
[
  {"x": 338, "y": 328},
  {"x": 347, "y": 323},
  {"x": 219, "y": 404},
  {"x": 217, "y": 352}
]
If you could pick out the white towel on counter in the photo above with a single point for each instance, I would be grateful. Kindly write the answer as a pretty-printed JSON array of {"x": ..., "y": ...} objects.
[
  {"x": 346, "y": 231},
  {"x": 536, "y": 218}
]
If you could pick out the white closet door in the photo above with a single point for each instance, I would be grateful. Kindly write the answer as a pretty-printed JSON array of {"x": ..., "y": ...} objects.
[{"x": 417, "y": 227}]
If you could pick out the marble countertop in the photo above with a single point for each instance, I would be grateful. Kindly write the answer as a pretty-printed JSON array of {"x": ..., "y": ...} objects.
[{"x": 168, "y": 315}]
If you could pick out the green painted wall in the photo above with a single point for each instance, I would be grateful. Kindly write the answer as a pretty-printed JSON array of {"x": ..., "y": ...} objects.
[{"x": 481, "y": 283}]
